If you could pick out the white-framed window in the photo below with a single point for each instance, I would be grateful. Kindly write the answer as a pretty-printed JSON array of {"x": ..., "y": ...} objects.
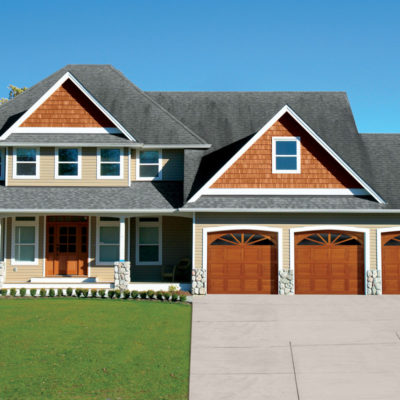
[
  {"x": 107, "y": 240},
  {"x": 24, "y": 246},
  {"x": 68, "y": 161},
  {"x": 149, "y": 165},
  {"x": 148, "y": 241},
  {"x": 26, "y": 163},
  {"x": 2, "y": 164},
  {"x": 110, "y": 163},
  {"x": 286, "y": 155}
]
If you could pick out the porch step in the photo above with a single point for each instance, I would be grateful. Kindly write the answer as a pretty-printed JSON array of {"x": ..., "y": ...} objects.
[{"x": 63, "y": 279}]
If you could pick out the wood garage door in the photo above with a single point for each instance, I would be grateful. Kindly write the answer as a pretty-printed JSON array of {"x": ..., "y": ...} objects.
[
  {"x": 391, "y": 263},
  {"x": 242, "y": 262},
  {"x": 329, "y": 262}
]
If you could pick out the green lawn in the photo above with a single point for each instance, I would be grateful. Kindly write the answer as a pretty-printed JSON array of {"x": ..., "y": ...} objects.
[{"x": 93, "y": 349}]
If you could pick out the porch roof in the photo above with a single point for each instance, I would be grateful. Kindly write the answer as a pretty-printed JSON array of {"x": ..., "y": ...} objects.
[{"x": 141, "y": 196}]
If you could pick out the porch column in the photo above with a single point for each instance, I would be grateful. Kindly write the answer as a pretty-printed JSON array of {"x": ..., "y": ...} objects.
[{"x": 122, "y": 232}]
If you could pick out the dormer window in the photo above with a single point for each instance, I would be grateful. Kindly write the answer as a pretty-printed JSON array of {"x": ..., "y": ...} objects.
[
  {"x": 149, "y": 165},
  {"x": 285, "y": 155}
]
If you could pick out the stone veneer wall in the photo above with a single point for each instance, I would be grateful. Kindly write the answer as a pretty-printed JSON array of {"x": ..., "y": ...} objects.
[
  {"x": 199, "y": 281},
  {"x": 122, "y": 274},
  {"x": 286, "y": 282},
  {"x": 374, "y": 282}
]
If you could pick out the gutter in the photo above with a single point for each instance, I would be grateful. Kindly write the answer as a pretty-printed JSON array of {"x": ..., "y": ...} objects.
[{"x": 127, "y": 145}]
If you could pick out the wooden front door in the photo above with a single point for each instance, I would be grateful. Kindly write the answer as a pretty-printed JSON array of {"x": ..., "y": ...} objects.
[
  {"x": 329, "y": 262},
  {"x": 242, "y": 262},
  {"x": 67, "y": 246}
]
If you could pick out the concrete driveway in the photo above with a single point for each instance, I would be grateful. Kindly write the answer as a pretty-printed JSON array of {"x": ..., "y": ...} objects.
[{"x": 295, "y": 347}]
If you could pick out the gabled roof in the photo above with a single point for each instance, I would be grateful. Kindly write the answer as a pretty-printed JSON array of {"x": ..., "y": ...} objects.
[{"x": 139, "y": 114}]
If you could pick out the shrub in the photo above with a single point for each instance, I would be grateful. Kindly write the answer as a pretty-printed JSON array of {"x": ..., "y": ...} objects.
[
  {"x": 60, "y": 293},
  {"x": 117, "y": 293},
  {"x": 143, "y": 295},
  {"x": 174, "y": 296},
  {"x": 13, "y": 292},
  {"x": 22, "y": 292},
  {"x": 172, "y": 288},
  {"x": 111, "y": 294},
  {"x": 94, "y": 292},
  {"x": 42, "y": 292},
  {"x": 150, "y": 293},
  {"x": 52, "y": 293},
  {"x": 167, "y": 295},
  {"x": 33, "y": 292},
  {"x": 85, "y": 292},
  {"x": 78, "y": 292},
  {"x": 126, "y": 294},
  {"x": 182, "y": 297},
  {"x": 70, "y": 291},
  {"x": 3, "y": 292},
  {"x": 102, "y": 293},
  {"x": 134, "y": 294},
  {"x": 159, "y": 295}
]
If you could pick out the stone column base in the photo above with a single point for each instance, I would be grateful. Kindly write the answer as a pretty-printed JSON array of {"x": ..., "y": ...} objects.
[
  {"x": 374, "y": 282},
  {"x": 199, "y": 281},
  {"x": 122, "y": 274},
  {"x": 286, "y": 282}
]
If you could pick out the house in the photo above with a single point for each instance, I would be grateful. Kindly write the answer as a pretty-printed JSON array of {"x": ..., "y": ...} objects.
[{"x": 103, "y": 184}]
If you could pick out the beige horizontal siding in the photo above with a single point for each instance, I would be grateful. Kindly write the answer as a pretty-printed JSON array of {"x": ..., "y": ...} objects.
[
  {"x": 47, "y": 171},
  {"x": 286, "y": 222}
]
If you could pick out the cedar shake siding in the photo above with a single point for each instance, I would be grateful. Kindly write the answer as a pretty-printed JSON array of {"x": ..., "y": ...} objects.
[
  {"x": 68, "y": 107},
  {"x": 254, "y": 168}
]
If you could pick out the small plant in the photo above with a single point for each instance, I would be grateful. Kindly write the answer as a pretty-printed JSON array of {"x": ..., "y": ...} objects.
[
  {"x": 13, "y": 292},
  {"x": 167, "y": 295},
  {"x": 33, "y": 292},
  {"x": 143, "y": 295},
  {"x": 22, "y": 292},
  {"x": 159, "y": 294},
  {"x": 85, "y": 292},
  {"x": 102, "y": 293},
  {"x": 70, "y": 291},
  {"x": 172, "y": 288},
  {"x": 182, "y": 297},
  {"x": 126, "y": 294},
  {"x": 93, "y": 292},
  {"x": 134, "y": 294},
  {"x": 150, "y": 294},
  {"x": 78, "y": 292},
  {"x": 117, "y": 293},
  {"x": 52, "y": 293},
  {"x": 60, "y": 293},
  {"x": 3, "y": 292},
  {"x": 174, "y": 296},
  {"x": 42, "y": 292},
  {"x": 111, "y": 294}
]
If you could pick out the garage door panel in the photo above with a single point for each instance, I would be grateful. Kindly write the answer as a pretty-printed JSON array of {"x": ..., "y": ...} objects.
[
  {"x": 251, "y": 285},
  {"x": 319, "y": 255},
  {"x": 321, "y": 285},
  {"x": 232, "y": 254},
  {"x": 338, "y": 285},
  {"x": 233, "y": 270},
  {"x": 390, "y": 262},
  {"x": 320, "y": 269},
  {"x": 250, "y": 269},
  {"x": 339, "y": 269}
]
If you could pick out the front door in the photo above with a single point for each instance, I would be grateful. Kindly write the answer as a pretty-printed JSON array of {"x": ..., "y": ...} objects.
[{"x": 67, "y": 246}]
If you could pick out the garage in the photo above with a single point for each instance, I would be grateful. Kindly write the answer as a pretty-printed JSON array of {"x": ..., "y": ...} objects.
[
  {"x": 391, "y": 263},
  {"x": 242, "y": 262},
  {"x": 329, "y": 262}
]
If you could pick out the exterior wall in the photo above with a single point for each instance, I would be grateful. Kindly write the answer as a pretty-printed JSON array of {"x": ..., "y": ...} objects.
[
  {"x": 254, "y": 168},
  {"x": 176, "y": 244},
  {"x": 288, "y": 221},
  {"x": 68, "y": 107},
  {"x": 47, "y": 171}
]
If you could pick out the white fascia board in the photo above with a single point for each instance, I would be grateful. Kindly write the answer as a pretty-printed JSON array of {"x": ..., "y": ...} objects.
[
  {"x": 273, "y": 120},
  {"x": 290, "y": 210},
  {"x": 285, "y": 191},
  {"x": 39, "y": 102}
]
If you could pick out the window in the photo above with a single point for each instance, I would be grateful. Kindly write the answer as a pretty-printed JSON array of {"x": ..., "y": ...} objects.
[
  {"x": 68, "y": 163},
  {"x": 109, "y": 164},
  {"x": 107, "y": 240},
  {"x": 26, "y": 163},
  {"x": 24, "y": 237},
  {"x": 148, "y": 241},
  {"x": 285, "y": 155},
  {"x": 149, "y": 165}
]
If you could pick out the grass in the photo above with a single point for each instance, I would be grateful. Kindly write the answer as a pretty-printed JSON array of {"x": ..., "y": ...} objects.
[{"x": 93, "y": 349}]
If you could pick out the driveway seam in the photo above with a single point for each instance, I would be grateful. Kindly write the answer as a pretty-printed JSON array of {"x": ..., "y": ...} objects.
[{"x": 294, "y": 371}]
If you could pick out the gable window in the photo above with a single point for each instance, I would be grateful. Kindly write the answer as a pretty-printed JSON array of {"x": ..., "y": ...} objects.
[
  {"x": 26, "y": 163},
  {"x": 285, "y": 155},
  {"x": 107, "y": 240},
  {"x": 149, "y": 165},
  {"x": 109, "y": 164},
  {"x": 68, "y": 163},
  {"x": 148, "y": 241},
  {"x": 24, "y": 237}
]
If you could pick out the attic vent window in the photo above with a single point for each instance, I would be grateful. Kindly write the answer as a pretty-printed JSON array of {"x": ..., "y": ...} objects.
[{"x": 285, "y": 155}]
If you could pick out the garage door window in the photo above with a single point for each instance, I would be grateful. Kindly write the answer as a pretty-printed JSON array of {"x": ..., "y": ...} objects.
[
  {"x": 337, "y": 239},
  {"x": 394, "y": 241},
  {"x": 232, "y": 239}
]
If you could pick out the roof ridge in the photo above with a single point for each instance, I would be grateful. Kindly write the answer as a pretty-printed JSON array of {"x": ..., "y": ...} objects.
[{"x": 159, "y": 106}]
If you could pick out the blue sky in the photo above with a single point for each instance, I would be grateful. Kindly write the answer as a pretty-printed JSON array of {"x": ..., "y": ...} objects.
[{"x": 352, "y": 46}]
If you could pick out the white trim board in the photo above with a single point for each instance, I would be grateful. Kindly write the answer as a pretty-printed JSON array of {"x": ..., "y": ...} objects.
[
  {"x": 224, "y": 228},
  {"x": 285, "y": 110},
  {"x": 42, "y": 99},
  {"x": 284, "y": 191},
  {"x": 365, "y": 231}
]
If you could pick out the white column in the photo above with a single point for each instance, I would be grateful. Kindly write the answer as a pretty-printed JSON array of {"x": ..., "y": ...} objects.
[{"x": 122, "y": 231}]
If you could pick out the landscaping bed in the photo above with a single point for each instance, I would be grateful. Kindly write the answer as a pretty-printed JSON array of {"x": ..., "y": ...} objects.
[{"x": 70, "y": 348}]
